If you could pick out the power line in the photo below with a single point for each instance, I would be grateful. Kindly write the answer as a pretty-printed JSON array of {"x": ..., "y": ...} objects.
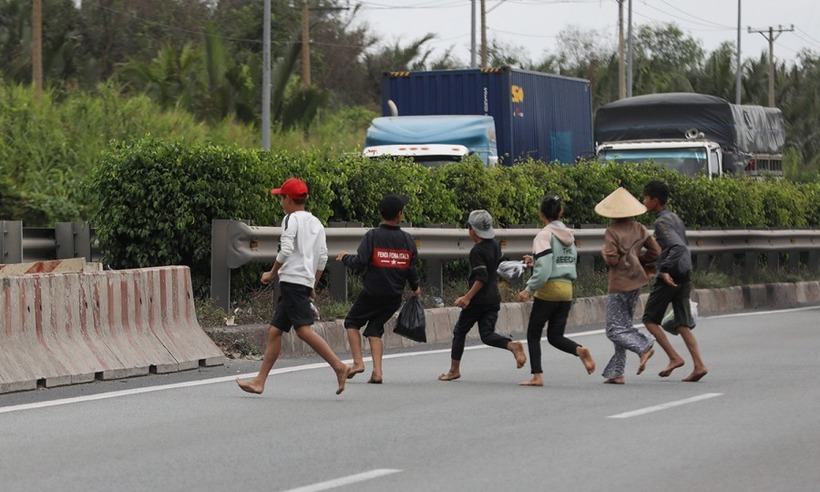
[
  {"x": 707, "y": 21},
  {"x": 189, "y": 31},
  {"x": 810, "y": 39}
]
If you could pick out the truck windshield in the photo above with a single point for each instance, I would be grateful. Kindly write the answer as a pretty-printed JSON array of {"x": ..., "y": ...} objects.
[{"x": 688, "y": 161}]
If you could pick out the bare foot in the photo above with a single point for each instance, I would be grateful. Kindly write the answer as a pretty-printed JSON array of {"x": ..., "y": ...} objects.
[
  {"x": 619, "y": 380},
  {"x": 644, "y": 358},
  {"x": 673, "y": 364},
  {"x": 450, "y": 376},
  {"x": 518, "y": 352},
  {"x": 586, "y": 358},
  {"x": 341, "y": 377},
  {"x": 375, "y": 380},
  {"x": 536, "y": 380},
  {"x": 696, "y": 375},
  {"x": 251, "y": 386},
  {"x": 354, "y": 370}
]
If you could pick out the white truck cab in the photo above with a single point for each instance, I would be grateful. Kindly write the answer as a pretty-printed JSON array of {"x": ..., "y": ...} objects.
[{"x": 692, "y": 157}]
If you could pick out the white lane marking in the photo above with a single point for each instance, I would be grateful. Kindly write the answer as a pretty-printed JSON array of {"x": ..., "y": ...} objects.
[
  {"x": 284, "y": 370},
  {"x": 224, "y": 379},
  {"x": 664, "y": 406},
  {"x": 332, "y": 484}
]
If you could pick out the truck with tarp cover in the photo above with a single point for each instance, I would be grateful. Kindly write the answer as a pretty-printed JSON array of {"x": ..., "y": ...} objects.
[{"x": 692, "y": 133}]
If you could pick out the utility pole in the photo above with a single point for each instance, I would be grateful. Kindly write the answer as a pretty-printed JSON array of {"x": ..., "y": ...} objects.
[
  {"x": 306, "y": 9},
  {"x": 266, "y": 78},
  {"x": 472, "y": 34},
  {"x": 738, "y": 75},
  {"x": 483, "y": 33},
  {"x": 37, "y": 48},
  {"x": 306, "y": 45},
  {"x": 621, "y": 64},
  {"x": 772, "y": 35},
  {"x": 629, "y": 42}
]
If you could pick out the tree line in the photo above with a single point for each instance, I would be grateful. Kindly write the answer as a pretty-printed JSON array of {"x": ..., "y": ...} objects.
[{"x": 205, "y": 56}]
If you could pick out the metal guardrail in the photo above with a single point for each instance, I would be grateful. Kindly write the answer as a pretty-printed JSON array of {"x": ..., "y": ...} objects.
[
  {"x": 234, "y": 244},
  {"x": 65, "y": 240}
]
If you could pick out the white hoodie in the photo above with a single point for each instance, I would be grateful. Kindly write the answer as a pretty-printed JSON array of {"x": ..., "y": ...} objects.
[{"x": 302, "y": 249}]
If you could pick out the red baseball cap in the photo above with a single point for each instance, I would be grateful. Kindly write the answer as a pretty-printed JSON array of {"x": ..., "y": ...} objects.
[{"x": 293, "y": 187}]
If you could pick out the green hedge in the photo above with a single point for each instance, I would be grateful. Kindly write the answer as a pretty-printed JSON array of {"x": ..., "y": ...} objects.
[{"x": 155, "y": 199}]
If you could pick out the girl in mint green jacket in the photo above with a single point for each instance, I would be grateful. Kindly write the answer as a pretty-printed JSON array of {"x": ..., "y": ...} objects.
[{"x": 553, "y": 262}]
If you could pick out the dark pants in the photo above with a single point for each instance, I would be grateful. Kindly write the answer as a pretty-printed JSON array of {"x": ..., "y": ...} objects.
[
  {"x": 662, "y": 294},
  {"x": 555, "y": 313},
  {"x": 485, "y": 316}
]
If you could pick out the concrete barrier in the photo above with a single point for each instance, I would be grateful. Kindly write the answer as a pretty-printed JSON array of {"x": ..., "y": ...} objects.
[
  {"x": 48, "y": 266},
  {"x": 59, "y": 329},
  {"x": 513, "y": 317}
]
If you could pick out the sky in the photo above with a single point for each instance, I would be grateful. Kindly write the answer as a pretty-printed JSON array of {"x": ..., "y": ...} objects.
[{"x": 533, "y": 25}]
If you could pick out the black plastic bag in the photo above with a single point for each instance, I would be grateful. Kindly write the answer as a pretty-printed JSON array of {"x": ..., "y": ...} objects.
[{"x": 411, "y": 322}]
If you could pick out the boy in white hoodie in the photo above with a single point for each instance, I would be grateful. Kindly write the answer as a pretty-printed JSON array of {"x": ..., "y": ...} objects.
[
  {"x": 299, "y": 265},
  {"x": 553, "y": 262}
]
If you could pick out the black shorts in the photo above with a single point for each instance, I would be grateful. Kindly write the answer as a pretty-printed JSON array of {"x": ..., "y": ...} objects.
[
  {"x": 662, "y": 294},
  {"x": 372, "y": 311},
  {"x": 293, "y": 307}
]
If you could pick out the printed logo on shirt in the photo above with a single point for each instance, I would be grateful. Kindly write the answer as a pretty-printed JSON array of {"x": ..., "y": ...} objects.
[
  {"x": 391, "y": 258},
  {"x": 567, "y": 256}
]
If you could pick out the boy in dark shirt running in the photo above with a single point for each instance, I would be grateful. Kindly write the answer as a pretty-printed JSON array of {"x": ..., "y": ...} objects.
[
  {"x": 388, "y": 256},
  {"x": 483, "y": 301},
  {"x": 673, "y": 283}
]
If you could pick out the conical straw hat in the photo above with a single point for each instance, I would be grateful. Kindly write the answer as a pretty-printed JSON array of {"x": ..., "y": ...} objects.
[{"x": 619, "y": 204}]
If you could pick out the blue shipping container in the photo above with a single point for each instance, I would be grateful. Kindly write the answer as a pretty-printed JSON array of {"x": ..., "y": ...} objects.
[{"x": 542, "y": 116}]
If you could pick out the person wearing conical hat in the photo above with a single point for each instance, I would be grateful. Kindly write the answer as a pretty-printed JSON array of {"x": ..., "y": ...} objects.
[{"x": 629, "y": 252}]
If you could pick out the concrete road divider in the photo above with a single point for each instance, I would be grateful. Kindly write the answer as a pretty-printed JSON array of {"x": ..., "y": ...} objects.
[
  {"x": 67, "y": 328},
  {"x": 49, "y": 266}
]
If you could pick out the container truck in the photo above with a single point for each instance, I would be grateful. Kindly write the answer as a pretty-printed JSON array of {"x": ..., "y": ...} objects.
[
  {"x": 432, "y": 140},
  {"x": 692, "y": 133},
  {"x": 536, "y": 115}
]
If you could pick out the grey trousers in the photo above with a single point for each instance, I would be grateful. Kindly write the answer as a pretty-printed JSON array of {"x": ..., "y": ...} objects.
[{"x": 620, "y": 310}]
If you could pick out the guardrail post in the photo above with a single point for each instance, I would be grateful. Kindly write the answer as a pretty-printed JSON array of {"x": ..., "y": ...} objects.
[
  {"x": 702, "y": 261},
  {"x": 749, "y": 265},
  {"x": 434, "y": 269},
  {"x": 813, "y": 262},
  {"x": 726, "y": 262},
  {"x": 73, "y": 240},
  {"x": 794, "y": 262},
  {"x": 220, "y": 272},
  {"x": 586, "y": 260},
  {"x": 337, "y": 279},
  {"x": 11, "y": 241},
  {"x": 773, "y": 261}
]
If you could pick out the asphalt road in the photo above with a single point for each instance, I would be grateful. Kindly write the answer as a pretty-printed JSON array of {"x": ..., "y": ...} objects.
[{"x": 752, "y": 424}]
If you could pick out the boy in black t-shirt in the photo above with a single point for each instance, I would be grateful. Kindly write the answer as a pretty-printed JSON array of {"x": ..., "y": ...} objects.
[
  {"x": 388, "y": 256},
  {"x": 483, "y": 301}
]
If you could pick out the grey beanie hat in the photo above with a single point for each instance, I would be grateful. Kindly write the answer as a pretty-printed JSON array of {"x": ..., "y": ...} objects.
[{"x": 482, "y": 223}]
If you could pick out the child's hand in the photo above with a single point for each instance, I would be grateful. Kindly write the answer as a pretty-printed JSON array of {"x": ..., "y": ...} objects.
[{"x": 462, "y": 302}]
